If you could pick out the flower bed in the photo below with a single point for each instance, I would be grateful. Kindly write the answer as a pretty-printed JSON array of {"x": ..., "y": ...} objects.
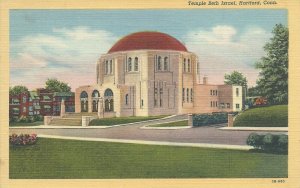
[{"x": 22, "y": 139}]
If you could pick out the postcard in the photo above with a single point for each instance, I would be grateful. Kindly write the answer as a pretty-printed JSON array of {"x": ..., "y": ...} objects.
[{"x": 149, "y": 94}]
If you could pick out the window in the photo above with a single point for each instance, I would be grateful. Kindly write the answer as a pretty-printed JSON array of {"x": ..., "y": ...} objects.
[
  {"x": 129, "y": 65},
  {"x": 126, "y": 99},
  {"x": 159, "y": 63},
  {"x": 187, "y": 94},
  {"x": 211, "y": 92},
  {"x": 222, "y": 105},
  {"x": 160, "y": 96},
  {"x": 106, "y": 67},
  {"x": 183, "y": 93},
  {"x": 184, "y": 65},
  {"x": 228, "y": 105},
  {"x": 191, "y": 95},
  {"x": 110, "y": 67},
  {"x": 211, "y": 104},
  {"x": 237, "y": 106},
  {"x": 24, "y": 99},
  {"x": 216, "y": 103},
  {"x": 189, "y": 65},
  {"x": 30, "y": 99},
  {"x": 166, "y": 64},
  {"x": 30, "y": 108},
  {"x": 155, "y": 96},
  {"x": 37, "y": 112},
  {"x": 214, "y": 92},
  {"x": 237, "y": 92},
  {"x": 24, "y": 109},
  {"x": 217, "y": 92},
  {"x": 136, "y": 64},
  {"x": 142, "y": 102}
]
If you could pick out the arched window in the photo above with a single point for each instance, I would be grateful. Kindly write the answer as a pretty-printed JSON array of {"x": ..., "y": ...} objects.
[
  {"x": 109, "y": 101},
  {"x": 159, "y": 63},
  {"x": 136, "y": 64},
  {"x": 84, "y": 101},
  {"x": 184, "y": 65},
  {"x": 106, "y": 67},
  {"x": 95, "y": 94},
  {"x": 166, "y": 67},
  {"x": 95, "y": 98},
  {"x": 189, "y": 65},
  {"x": 110, "y": 67},
  {"x": 126, "y": 99},
  {"x": 129, "y": 64}
]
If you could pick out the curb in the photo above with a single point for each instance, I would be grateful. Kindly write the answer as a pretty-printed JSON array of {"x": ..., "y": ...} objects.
[
  {"x": 273, "y": 129},
  {"x": 200, "y": 145}
]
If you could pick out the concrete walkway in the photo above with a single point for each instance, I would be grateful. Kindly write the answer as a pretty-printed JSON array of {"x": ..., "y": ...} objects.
[{"x": 219, "y": 146}]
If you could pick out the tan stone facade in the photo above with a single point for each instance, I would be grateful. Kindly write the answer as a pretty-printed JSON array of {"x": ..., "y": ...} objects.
[{"x": 154, "y": 82}]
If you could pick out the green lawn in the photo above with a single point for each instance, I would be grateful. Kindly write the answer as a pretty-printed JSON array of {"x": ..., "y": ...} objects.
[
  {"x": 173, "y": 124},
  {"x": 122, "y": 120},
  {"x": 18, "y": 124},
  {"x": 55, "y": 158},
  {"x": 272, "y": 116}
]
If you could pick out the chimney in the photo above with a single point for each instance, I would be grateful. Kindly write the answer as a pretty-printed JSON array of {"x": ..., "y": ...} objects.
[{"x": 205, "y": 80}]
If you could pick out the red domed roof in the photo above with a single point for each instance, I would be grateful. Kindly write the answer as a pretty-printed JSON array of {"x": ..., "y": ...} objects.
[{"x": 148, "y": 40}]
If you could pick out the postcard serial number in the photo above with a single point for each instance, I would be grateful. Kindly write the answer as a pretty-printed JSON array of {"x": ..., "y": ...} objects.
[{"x": 235, "y": 3}]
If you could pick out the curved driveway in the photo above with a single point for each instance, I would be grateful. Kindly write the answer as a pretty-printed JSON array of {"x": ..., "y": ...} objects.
[{"x": 204, "y": 134}]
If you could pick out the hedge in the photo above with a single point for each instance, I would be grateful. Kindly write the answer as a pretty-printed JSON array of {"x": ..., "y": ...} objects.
[
  {"x": 209, "y": 119},
  {"x": 269, "y": 142}
]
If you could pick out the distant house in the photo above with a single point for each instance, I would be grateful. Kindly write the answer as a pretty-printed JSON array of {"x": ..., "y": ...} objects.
[{"x": 40, "y": 102}]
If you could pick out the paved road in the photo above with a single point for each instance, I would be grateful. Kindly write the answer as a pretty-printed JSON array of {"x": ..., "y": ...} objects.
[{"x": 204, "y": 134}]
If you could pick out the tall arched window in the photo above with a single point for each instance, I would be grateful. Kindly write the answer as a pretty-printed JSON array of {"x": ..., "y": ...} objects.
[
  {"x": 187, "y": 95},
  {"x": 166, "y": 67},
  {"x": 159, "y": 63},
  {"x": 189, "y": 65},
  {"x": 184, "y": 65},
  {"x": 126, "y": 99},
  {"x": 106, "y": 67},
  {"x": 95, "y": 98},
  {"x": 110, "y": 67},
  {"x": 129, "y": 64},
  {"x": 136, "y": 64}
]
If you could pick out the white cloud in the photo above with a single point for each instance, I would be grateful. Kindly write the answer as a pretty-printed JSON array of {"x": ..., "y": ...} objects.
[
  {"x": 67, "y": 54},
  {"x": 222, "y": 49}
]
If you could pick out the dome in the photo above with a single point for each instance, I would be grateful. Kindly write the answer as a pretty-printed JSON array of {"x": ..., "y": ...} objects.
[{"x": 147, "y": 41}]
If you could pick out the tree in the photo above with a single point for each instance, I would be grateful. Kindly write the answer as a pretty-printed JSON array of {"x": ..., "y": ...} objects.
[
  {"x": 273, "y": 76},
  {"x": 253, "y": 91},
  {"x": 235, "y": 78},
  {"x": 16, "y": 90},
  {"x": 55, "y": 85}
]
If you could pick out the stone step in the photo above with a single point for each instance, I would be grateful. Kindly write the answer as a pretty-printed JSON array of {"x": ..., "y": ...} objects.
[{"x": 66, "y": 121}]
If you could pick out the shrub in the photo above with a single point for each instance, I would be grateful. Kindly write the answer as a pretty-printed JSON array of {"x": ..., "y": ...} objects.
[
  {"x": 269, "y": 142},
  {"x": 255, "y": 140},
  {"x": 22, "y": 139}
]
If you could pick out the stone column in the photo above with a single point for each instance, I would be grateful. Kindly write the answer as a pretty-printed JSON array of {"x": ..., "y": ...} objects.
[
  {"x": 230, "y": 120},
  {"x": 62, "y": 108},
  {"x": 100, "y": 108},
  {"x": 190, "y": 120}
]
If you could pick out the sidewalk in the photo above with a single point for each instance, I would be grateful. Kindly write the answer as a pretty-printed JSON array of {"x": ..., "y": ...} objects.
[
  {"x": 201, "y": 145},
  {"x": 275, "y": 129}
]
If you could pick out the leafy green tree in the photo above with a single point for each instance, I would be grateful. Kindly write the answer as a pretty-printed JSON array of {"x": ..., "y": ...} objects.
[
  {"x": 273, "y": 80},
  {"x": 253, "y": 92},
  {"x": 235, "y": 78},
  {"x": 55, "y": 85},
  {"x": 16, "y": 90}
]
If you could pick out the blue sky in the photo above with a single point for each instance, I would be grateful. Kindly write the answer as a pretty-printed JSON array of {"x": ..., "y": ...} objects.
[{"x": 67, "y": 43}]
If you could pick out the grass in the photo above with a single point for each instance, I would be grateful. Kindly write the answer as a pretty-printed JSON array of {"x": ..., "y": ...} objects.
[
  {"x": 55, "y": 158},
  {"x": 271, "y": 116},
  {"x": 19, "y": 124},
  {"x": 173, "y": 124},
  {"x": 122, "y": 120}
]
